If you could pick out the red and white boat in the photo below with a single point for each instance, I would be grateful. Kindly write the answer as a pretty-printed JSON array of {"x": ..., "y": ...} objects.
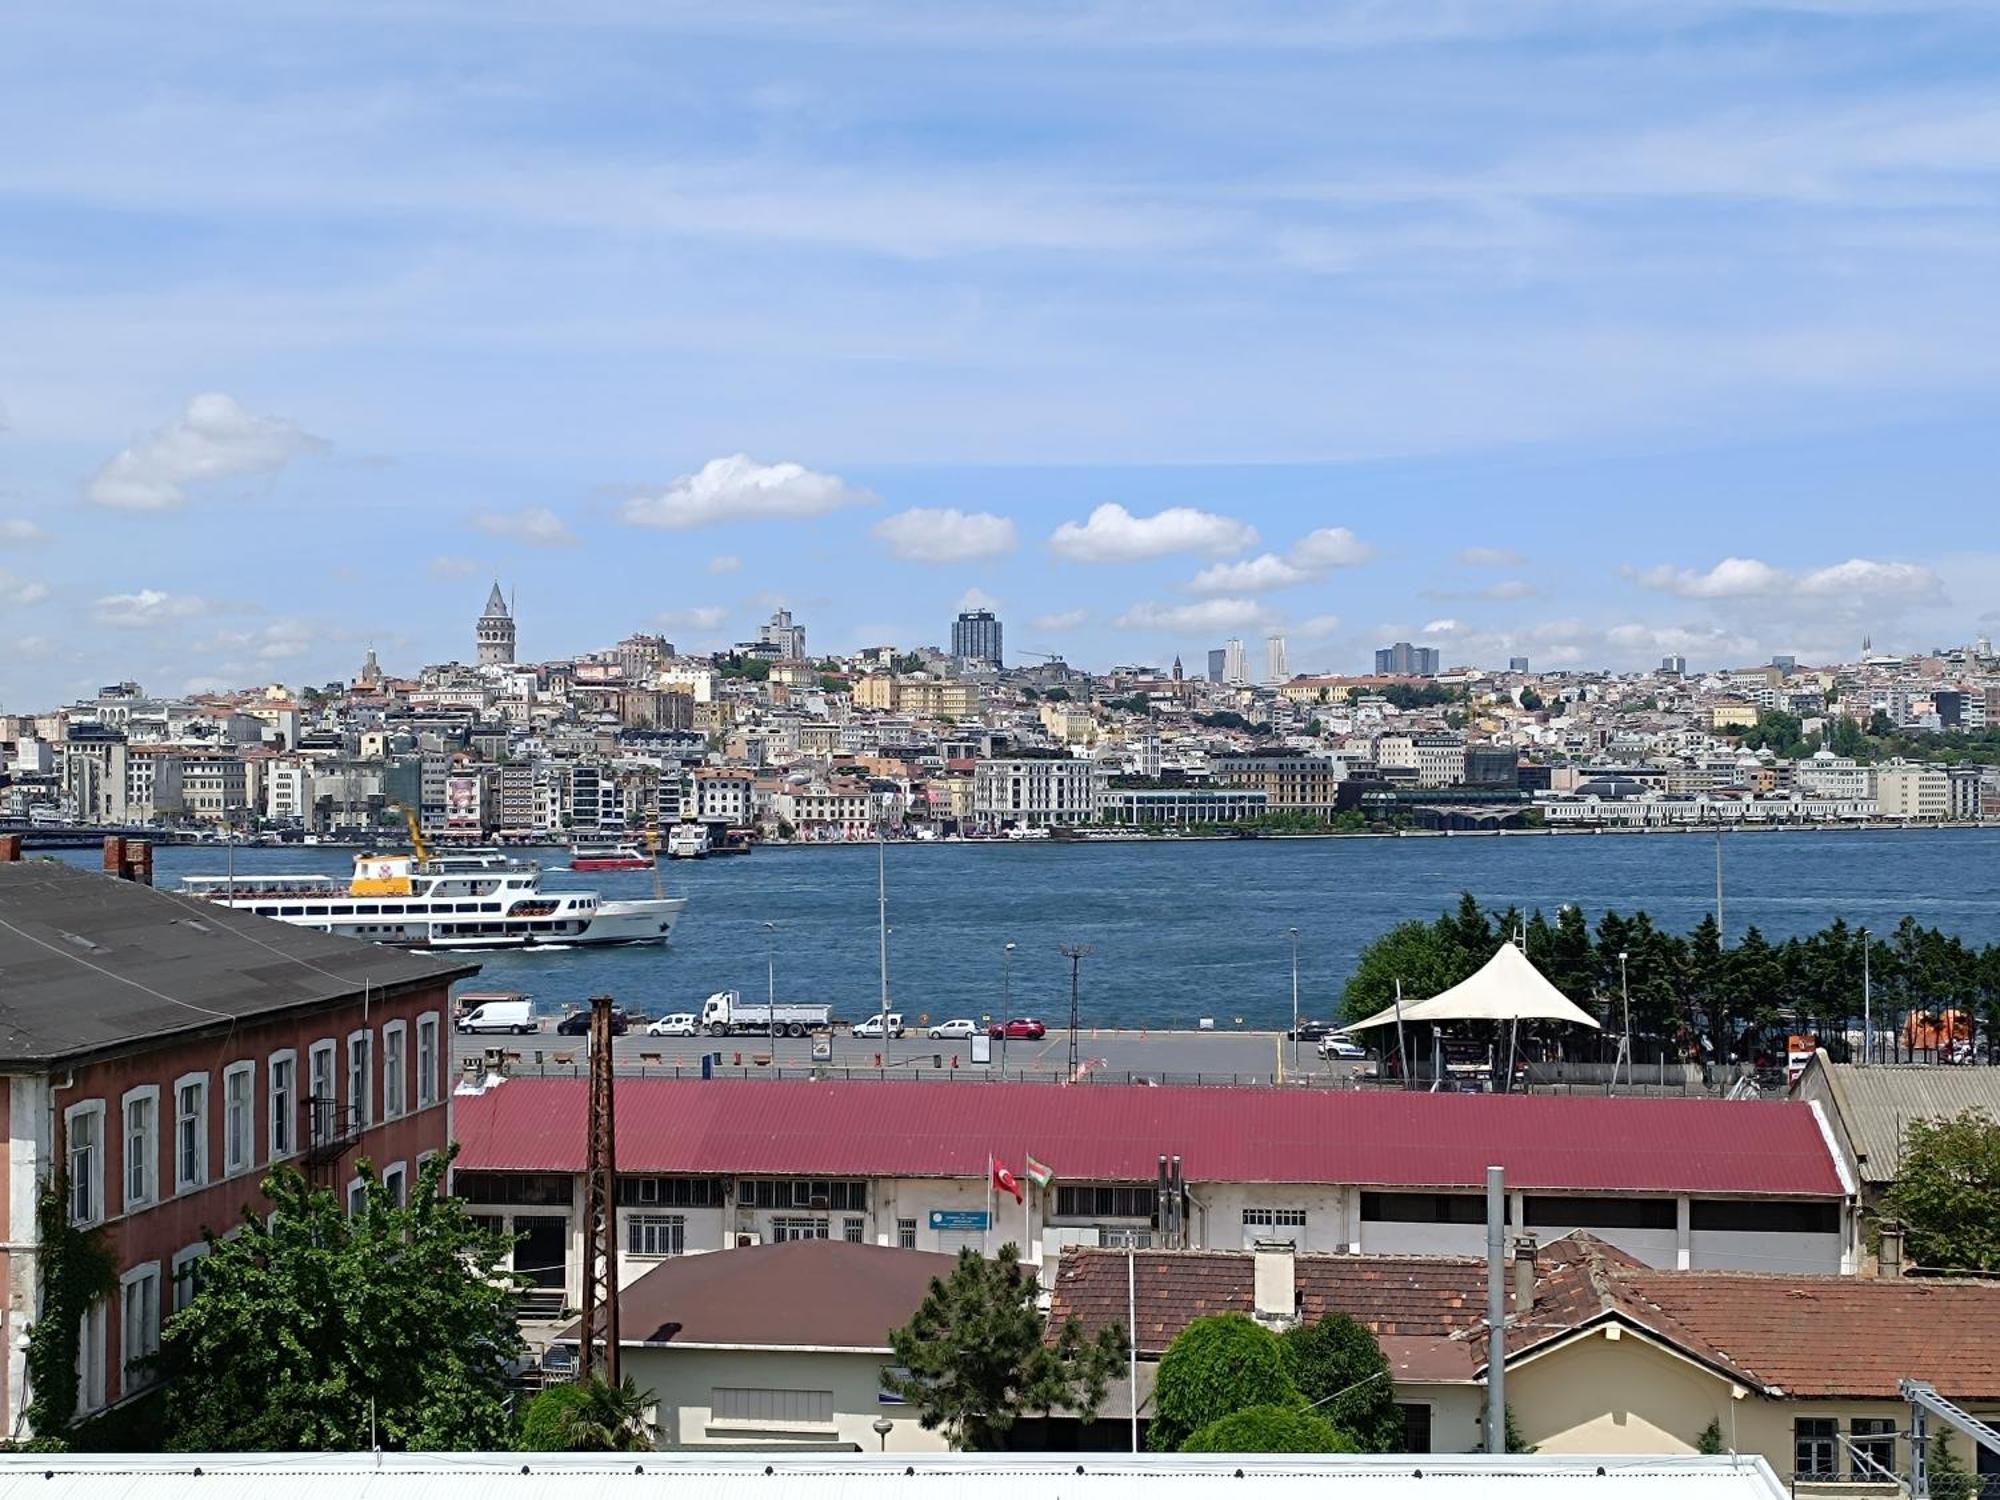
[{"x": 608, "y": 854}]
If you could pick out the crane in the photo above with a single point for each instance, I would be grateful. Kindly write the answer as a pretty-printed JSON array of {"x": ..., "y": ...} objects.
[{"x": 416, "y": 833}]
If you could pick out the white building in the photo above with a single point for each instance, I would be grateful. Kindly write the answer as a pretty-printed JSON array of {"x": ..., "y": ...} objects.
[
  {"x": 1824, "y": 774},
  {"x": 1904, "y": 789},
  {"x": 1034, "y": 792}
]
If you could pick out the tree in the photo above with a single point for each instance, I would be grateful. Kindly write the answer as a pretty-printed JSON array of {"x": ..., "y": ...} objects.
[
  {"x": 1947, "y": 1194},
  {"x": 317, "y": 1328},
  {"x": 1531, "y": 701},
  {"x": 1270, "y": 1429},
  {"x": 978, "y": 1360},
  {"x": 1710, "y": 1442},
  {"x": 1216, "y": 1367},
  {"x": 1949, "y": 1480},
  {"x": 1424, "y": 959},
  {"x": 1342, "y": 1375},
  {"x": 593, "y": 1416}
]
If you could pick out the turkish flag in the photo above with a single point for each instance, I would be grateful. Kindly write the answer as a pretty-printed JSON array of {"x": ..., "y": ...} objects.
[{"x": 1004, "y": 1180}]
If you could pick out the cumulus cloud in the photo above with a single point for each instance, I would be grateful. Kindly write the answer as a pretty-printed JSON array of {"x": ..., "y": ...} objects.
[
  {"x": 1749, "y": 578},
  {"x": 1862, "y": 577},
  {"x": 1114, "y": 534},
  {"x": 1732, "y": 578},
  {"x": 20, "y": 592},
  {"x": 533, "y": 525},
  {"x": 1330, "y": 547},
  {"x": 727, "y": 562},
  {"x": 215, "y": 438},
  {"x": 451, "y": 567},
  {"x": 145, "y": 609},
  {"x": 1064, "y": 619},
  {"x": 1510, "y": 588},
  {"x": 694, "y": 617},
  {"x": 1316, "y": 628},
  {"x": 738, "y": 488},
  {"x": 1490, "y": 557},
  {"x": 1443, "y": 627},
  {"x": 1209, "y": 614},
  {"x": 946, "y": 535},
  {"x": 20, "y": 532},
  {"x": 1253, "y": 575},
  {"x": 976, "y": 599}
]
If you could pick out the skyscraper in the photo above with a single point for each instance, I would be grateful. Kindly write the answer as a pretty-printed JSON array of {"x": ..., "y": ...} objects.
[
  {"x": 975, "y": 637},
  {"x": 1217, "y": 660},
  {"x": 493, "y": 636},
  {"x": 1405, "y": 660},
  {"x": 1674, "y": 666},
  {"x": 1235, "y": 670},
  {"x": 779, "y": 631},
  {"x": 1517, "y": 663},
  {"x": 1275, "y": 668}
]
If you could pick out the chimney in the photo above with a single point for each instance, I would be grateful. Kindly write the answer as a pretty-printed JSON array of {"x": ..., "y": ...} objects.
[
  {"x": 1524, "y": 1275},
  {"x": 114, "y": 857},
  {"x": 1889, "y": 1255},
  {"x": 1274, "y": 1288},
  {"x": 139, "y": 861},
  {"x": 10, "y": 849}
]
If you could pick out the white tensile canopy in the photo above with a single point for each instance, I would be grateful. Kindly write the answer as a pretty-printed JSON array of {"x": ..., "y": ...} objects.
[{"x": 1508, "y": 988}]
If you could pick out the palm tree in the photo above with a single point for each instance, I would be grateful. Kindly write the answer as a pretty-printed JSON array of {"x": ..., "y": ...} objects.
[{"x": 607, "y": 1418}]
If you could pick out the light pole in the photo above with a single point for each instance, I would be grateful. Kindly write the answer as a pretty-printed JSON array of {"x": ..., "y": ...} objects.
[
  {"x": 1867, "y": 1006},
  {"x": 1006, "y": 1001},
  {"x": 883, "y": 1427},
  {"x": 1625, "y": 1046},
  {"x": 1076, "y": 953},
  {"x": 1295, "y": 997},
  {"x": 771, "y": 983}
]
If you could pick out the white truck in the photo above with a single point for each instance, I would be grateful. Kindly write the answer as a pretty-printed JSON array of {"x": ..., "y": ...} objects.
[{"x": 725, "y": 1013}]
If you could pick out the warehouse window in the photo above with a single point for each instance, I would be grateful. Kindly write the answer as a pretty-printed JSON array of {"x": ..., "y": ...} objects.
[
  {"x": 1423, "y": 1208},
  {"x": 1600, "y": 1213},
  {"x": 1083, "y": 1200},
  {"x": 1740, "y": 1217},
  {"x": 748, "y": 1407}
]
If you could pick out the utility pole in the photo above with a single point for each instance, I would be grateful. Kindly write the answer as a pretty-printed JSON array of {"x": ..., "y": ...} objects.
[
  {"x": 1076, "y": 953},
  {"x": 1006, "y": 1001},
  {"x": 1496, "y": 1310},
  {"x": 1624, "y": 1042},
  {"x": 1867, "y": 1006},
  {"x": 598, "y": 1355},
  {"x": 771, "y": 985},
  {"x": 882, "y": 920},
  {"x": 1295, "y": 998}
]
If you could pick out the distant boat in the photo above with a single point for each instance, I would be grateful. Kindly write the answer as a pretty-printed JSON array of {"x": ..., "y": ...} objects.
[{"x": 608, "y": 854}]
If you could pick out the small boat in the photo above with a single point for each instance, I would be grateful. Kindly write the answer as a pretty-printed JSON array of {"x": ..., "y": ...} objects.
[{"x": 608, "y": 854}]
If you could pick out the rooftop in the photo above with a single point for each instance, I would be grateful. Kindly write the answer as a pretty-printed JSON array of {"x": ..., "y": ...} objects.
[
  {"x": 1876, "y": 1104},
  {"x": 90, "y": 963}
]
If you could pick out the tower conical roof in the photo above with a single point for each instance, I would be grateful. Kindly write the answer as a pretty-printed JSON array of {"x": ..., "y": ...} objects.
[{"x": 496, "y": 602}]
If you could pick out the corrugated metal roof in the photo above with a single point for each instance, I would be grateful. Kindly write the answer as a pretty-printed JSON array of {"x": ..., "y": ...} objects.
[
  {"x": 1877, "y": 1104},
  {"x": 1116, "y": 1133}
]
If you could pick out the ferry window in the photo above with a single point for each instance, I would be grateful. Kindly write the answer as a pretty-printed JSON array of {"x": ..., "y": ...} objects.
[
  {"x": 366, "y": 911},
  {"x": 266, "y": 911},
  {"x": 291, "y": 911},
  {"x": 391, "y": 911},
  {"x": 491, "y": 906},
  {"x": 315, "y": 911}
]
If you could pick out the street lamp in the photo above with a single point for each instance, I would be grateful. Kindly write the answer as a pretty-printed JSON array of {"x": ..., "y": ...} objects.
[
  {"x": 883, "y": 1427},
  {"x": 1006, "y": 1001},
  {"x": 1295, "y": 997},
  {"x": 771, "y": 983},
  {"x": 1624, "y": 1047}
]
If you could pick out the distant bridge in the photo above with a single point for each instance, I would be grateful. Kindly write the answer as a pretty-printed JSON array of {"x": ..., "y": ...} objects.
[{"x": 80, "y": 836}]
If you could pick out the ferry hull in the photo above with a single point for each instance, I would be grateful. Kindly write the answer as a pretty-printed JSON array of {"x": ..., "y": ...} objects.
[{"x": 612, "y": 924}]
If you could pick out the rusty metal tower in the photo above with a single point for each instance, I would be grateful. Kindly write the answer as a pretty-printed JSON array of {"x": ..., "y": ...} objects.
[{"x": 599, "y": 1352}]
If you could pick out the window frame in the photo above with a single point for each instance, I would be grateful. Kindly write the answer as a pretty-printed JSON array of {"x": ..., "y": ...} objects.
[
  {"x": 246, "y": 1070},
  {"x": 93, "y": 1330},
  {"x": 140, "y": 1276},
  {"x": 1822, "y": 1443},
  {"x": 324, "y": 1107},
  {"x": 396, "y": 1067},
  {"x": 148, "y": 1159},
  {"x": 1875, "y": 1437},
  {"x": 282, "y": 1119},
  {"x": 91, "y": 1183},
  {"x": 430, "y": 1080},
  {"x": 185, "y": 1182},
  {"x": 399, "y": 1172},
  {"x": 906, "y": 1234},
  {"x": 673, "y": 1227},
  {"x": 185, "y": 1273},
  {"x": 361, "y": 1070}
]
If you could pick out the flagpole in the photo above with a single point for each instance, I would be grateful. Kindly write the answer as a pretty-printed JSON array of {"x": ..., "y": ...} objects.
[
  {"x": 986, "y": 1235},
  {"x": 1027, "y": 1210}
]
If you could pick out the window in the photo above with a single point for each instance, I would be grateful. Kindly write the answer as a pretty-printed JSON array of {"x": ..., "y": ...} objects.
[
  {"x": 1874, "y": 1443},
  {"x": 670, "y": 1192},
  {"x": 83, "y": 1130},
  {"x": 765, "y": 1408},
  {"x": 1813, "y": 1445},
  {"x": 139, "y": 1322},
  {"x": 284, "y": 1103},
  {"x": 90, "y": 1357},
  {"x": 1738, "y": 1217},
  {"x": 516, "y": 1189},
  {"x": 190, "y": 1131},
  {"x": 1272, "y": 1224},
  {"x": 395, "y": 1082},
  {"x": 656, "y": 1234},
  {"x": 1416, "y": 1426},
  {"x": 1600, "y": 1213},
  {"x": 187, "y": 1274},
  {"x": 142, "y": 1147},
  {"x": 239, "y": 1117},
  {"x": 321, "y": 1090},
  {"x": 429, "y": 1082},
  {"x": 357, "y": 1197},
  {"x": 816, "y": 1195},
  {"x": 1127, "y": 1239},
  {"x": 797, "y": 1229},
  {"x": 396, "y": 1183},
  {"x": 906, "y": 1234},
  {"x": 359, "y": 1082},
  {"x": 1423, "y": 1208},
  {"x": 851, "y": 1230},
  {"x": 1076, "y": 1200}
]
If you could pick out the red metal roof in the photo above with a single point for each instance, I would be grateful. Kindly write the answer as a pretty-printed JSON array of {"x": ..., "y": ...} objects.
[{"x": 1116, "y": 1133}]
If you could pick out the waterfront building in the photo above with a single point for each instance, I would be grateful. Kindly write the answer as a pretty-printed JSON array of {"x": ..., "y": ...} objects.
[
  {"x": 1906, "y": 790},
  {"x": 1288, "y": 782},
  {"x": 1180, "y": 806},
  {"x": 1639, "y": 809},
  {"x": 95, "y": 773},
  {"x": 1824, "y": 774},
  {"x": 493, "y": 634},
  {"x": 1034, "y": 791},
  {"x": 723, "y": 795},
  {"x": 1406, "y": 660},
  {"x": 975, "y": 638}
]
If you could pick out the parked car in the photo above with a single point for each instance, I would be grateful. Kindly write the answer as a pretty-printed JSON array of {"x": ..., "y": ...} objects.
[
  {"x": 952, "y": 1030},
  {"x": 1019, "y": 1029},
  {"x": 879, "y": 1025},
  {"x": 577, "y": 1023},
  {"x": 1311, "y": 1031},
  {"x": 1333, "y": 1045},
  {"x": 680, "y": 1023},
  {"x": 515, "y": 1016}
]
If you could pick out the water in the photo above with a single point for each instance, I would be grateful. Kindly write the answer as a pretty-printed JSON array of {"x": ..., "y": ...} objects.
[{"x": 1181, "y": 930}]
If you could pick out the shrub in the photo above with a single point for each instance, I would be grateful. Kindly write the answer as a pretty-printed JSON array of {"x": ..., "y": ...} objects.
[
  {"x": 1270, "y": 1429},
  {"x": 1218, "y": 1366},
  {"x": 1342, "y": 1375}
]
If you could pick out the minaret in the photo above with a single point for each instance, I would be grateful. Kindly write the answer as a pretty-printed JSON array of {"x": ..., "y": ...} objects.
[{"x": 495, "y": 631}]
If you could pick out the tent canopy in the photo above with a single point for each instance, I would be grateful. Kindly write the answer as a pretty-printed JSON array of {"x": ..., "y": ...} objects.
[{"x": 1507, "y": 988}]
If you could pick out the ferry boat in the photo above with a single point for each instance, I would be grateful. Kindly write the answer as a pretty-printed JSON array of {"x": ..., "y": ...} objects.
[
  {"x": 608, "y": 854},
  {"x": 479, "y": 899}
]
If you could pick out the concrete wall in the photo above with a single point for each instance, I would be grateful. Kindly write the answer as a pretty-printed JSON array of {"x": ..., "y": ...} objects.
[{"x": 685, "y": 1379}]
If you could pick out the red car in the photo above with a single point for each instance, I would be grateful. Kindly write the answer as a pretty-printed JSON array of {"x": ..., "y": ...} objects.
[{"x": 1021, "y": 1029}]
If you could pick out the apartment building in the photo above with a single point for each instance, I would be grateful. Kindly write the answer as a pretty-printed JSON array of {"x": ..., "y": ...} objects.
[
  {"x": 1290, "y": 783},
  {"x": 1904, "y": 789},
  {"x": 1034, "y": 792},
  {"x": 164, "y": 1054},
  {"x": 723, "y": 796}
]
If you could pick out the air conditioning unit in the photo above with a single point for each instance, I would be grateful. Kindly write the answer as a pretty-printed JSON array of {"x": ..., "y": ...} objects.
[{"x": 748, "y": 1239}]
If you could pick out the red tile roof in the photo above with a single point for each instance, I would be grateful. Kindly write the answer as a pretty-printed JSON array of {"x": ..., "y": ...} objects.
[{"x": 1116, "y": 1133}]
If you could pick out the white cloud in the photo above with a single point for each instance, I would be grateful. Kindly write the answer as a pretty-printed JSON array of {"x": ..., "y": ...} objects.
[
  {"x": 738, "y": 488},
  {"x": 1862, "y": 577},
  {"x": 1490, "y": 557},
  {"x": 694, "y": 617},
  {"x": 727, "y": 562},
  {"x": 1114, "y": 534},
  {"x": 214, "y": 438},
  {"x": 19, "y": 532},
  {"x": 534, "y": 525},
  {"x": 451, "y": 567},
  {"x": 1065, "y": 619},
  {"x": 1510, "y": 588},
  {"x": 1330, "y": 547},
  {"x": 1856, "y": 579},
  {"x": 1316, "y": 628},
  {"x": 21, "y": 591},
  {"x": 1732, "y": 578},
  {"x": 976, "y": 599},
  {"x": 1443, "y": 627},
  {"x": 283, "y": 640},
  {"x": 946, "y": 535},
  {"x": 1253, "y": 575},
  {"x": 145, "y": 609},
  {"x": 1209, "y": 614}
]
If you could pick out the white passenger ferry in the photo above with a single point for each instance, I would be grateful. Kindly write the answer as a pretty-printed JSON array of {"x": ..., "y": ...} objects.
[{"x": 471, "y": 900}]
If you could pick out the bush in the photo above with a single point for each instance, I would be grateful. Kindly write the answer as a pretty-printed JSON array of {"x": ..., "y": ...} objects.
[
  {"x": 1218, "y": 1366},
  {"x": 549, "y": 1417},
  {"x": 1270, "y": 1429},
  {"x": 1342, "y": 1375}
]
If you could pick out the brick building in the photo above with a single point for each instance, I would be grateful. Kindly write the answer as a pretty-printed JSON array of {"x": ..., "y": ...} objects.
[{"x": 167, "y": 1053}]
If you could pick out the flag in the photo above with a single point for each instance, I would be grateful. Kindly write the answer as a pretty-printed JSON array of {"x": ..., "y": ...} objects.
[
  {"x": 1041, "y": 1174},
  {"x": 1004, "y": 1180}
]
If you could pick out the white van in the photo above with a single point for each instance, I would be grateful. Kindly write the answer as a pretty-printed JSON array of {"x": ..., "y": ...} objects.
[
  {"x": 514, "y": 1013},
  {"x": 877, "y": 1023}
]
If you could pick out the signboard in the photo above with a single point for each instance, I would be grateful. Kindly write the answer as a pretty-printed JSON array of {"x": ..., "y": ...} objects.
[
  {"x": 959, "y": 1218},
  {"x": 982, "y": 1047}
]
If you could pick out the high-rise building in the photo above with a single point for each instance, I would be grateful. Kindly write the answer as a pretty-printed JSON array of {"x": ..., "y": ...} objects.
[
  {"x": 494, "y": 634},
  {"x": 1275, "y": 668},
  {"x": 1674, "y": 666},
  {"x": 1235, "y": 670},
  {"x": 1217, "y": 660},
  {"x": 780, "y": 632},
  {"x": 1405, "y": 660},
  {"x": 1517, "y": 664},
  {"x": 975, "y": 637}
]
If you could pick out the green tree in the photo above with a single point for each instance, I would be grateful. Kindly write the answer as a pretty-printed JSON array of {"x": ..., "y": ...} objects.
[
  {"x": 1710, "y": 1442},
  {"x": 1532, "y": 701},
  {"x": 1216, "y": 1367},
  {"x": 1270, "y": 1429},
  {"x": 978, "y": 1360},
  {"x": 1947, "y": 1194},
  {"x": 591, "y": 1416},
  {"x": 1342, "y": 1374},
  {"x": 1949, "y": 1479},
  {"x": 316, "y": 1328},
  {"x": 1420, "y": 956}
]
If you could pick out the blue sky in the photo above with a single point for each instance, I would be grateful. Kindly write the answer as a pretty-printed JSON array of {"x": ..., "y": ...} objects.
[{"x": 1585, "y": 331}]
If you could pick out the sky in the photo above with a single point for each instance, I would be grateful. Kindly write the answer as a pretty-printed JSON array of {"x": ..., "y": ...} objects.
[{"x": 1585, "y": 330}]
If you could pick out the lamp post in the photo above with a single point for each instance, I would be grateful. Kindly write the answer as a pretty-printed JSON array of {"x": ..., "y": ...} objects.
[
  {"x": 1625, "y": 1046},
  {"x": 1867, "y": 1006},
  {"x": 1294, "y": 932},
  {"x": 771, "y": 983},
  {"x": 883, "y": 1427},
  {"x": 1006, "y": 1001}
]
